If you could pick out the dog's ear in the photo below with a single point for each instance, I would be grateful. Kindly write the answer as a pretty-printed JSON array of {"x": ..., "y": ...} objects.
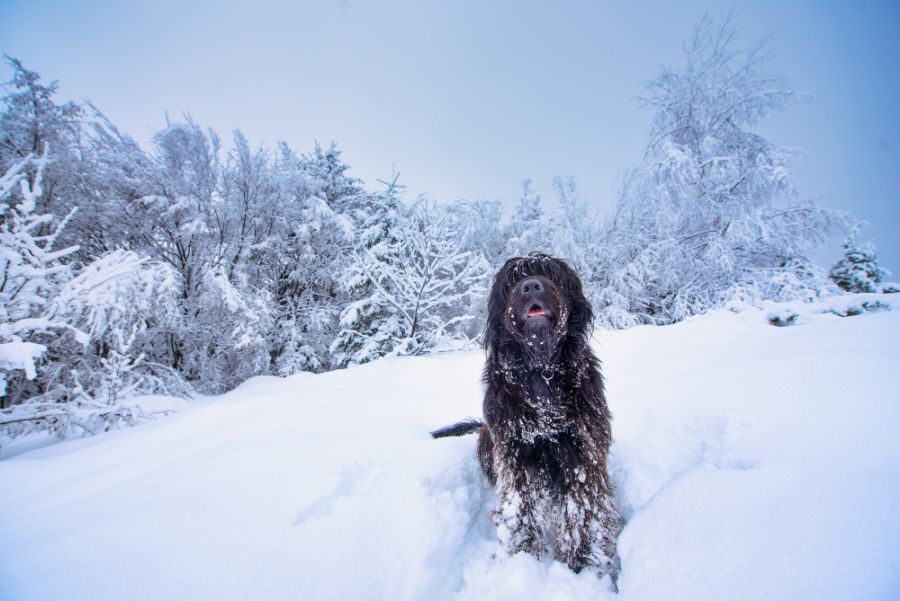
[
  {"x": 500, "y": 288},
  {"x": 581, "y": 314}
]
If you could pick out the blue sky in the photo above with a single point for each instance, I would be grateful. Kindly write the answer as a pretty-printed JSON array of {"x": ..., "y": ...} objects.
[{"x": 466, "y": 99}]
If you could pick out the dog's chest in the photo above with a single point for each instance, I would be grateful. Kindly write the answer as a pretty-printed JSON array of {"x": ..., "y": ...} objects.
[{"x": 544, "y": 409}]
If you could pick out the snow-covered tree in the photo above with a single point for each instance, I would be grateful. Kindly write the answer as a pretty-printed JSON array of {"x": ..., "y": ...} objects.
[
  {"x": 226, "y": 335},
  {"x": 116, "y": 173},
  {"x": 31, "y": 274},
  {"x": 711, "y": 214},
  {"x": 419, "y": 278},
  {"x": 250, "y": 196},
  {"x": 482, "y": 232},
  {"x": 573, "y": 232},
  {"x": 858, "y": 270},
  {"x": 527, "y": 231},
  {"x": 369, "y": 327},
  {"x": 480, "y": 226},
  {"x": 30, "y": 122},
  {"x": 327, "y": 179},
  {"x": 122, "y": 303},
  {"x": 307, "y": 256},
  {"x": 72, "y": 342}
]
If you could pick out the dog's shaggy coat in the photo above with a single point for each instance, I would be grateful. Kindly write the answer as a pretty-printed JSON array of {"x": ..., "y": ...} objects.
[{"x": 546, "y": 429}]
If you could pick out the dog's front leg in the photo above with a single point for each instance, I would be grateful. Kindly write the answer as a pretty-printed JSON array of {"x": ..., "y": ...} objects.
[
  {"x": 520, "y": 517},
  {"x": 575, "y": 530},
  {"x": 587, "y": 527}
]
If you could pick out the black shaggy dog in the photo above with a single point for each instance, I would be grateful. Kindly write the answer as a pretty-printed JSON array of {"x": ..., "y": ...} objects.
[{"x": 546, "y": 429}]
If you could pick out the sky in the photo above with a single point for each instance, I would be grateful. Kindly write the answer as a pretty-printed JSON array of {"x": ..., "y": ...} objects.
[{"x": 465, "y": 99}]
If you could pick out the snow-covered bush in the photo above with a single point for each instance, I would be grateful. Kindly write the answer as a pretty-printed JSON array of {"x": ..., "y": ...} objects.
[
  {"x": 124, "y": 304},
  {"x": 31, "y": 274},
  {"x": 73, "y": 343},
  {"x": 792, "y": 313}
]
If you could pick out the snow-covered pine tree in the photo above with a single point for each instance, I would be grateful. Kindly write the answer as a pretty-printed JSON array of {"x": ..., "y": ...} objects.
[
  {"x": 711, "y": 214},
  {"x": 327, "y": 179},
  {"x": 308, "y": 254},
  {"x": 858, "y": 270},
  {"x": 369, "y": 326},
  {"x": 526, "y": 230}
]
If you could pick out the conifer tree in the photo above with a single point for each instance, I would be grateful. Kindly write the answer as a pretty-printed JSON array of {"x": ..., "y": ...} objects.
[
  {"x": 369, "y": 325},
  {"x": 858, "y": 270}
]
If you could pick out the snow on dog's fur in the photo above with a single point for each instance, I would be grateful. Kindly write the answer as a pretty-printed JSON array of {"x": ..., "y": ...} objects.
[{"x": 546, "y": 430}]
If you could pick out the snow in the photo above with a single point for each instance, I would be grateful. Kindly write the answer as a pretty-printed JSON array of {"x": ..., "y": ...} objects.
[
  {"x": 20, "y": 355},
  {"x": 752, "y": 462}
]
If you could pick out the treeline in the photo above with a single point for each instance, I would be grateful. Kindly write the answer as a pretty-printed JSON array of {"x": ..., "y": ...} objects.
[{"x": 189, "y": 265}]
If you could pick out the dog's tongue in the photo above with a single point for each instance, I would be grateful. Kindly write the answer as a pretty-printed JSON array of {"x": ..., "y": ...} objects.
[{"x": 535, "y": 311}]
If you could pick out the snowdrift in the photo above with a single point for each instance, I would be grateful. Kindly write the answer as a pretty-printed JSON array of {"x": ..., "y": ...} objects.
[{"x": 752, "y": 462}]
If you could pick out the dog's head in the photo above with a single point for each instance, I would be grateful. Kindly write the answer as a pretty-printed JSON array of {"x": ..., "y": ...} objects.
[{"x": 536, "y": 303}]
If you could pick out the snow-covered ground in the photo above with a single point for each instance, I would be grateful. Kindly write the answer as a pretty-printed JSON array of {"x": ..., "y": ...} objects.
[{"x": 752, "y": 462}]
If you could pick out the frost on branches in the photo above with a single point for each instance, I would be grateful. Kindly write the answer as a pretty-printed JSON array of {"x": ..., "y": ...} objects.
[
  {"x": 306, "y": 256},
  {"x": 711, "y": 214},
  {"x": 72, "y": 344},
  {"x": 31, "y": 273},
  {"x": 417, "y": 276}
]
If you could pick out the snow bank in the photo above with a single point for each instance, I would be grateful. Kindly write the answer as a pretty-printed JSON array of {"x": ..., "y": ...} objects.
[{"x": 752, "y": 462}]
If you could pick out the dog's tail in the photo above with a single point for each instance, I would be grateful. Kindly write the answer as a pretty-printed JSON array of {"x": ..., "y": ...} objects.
[{"x": 458, "y": 429}]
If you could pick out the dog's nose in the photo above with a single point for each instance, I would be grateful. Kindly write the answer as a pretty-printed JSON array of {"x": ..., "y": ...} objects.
[{"x": 531, "y": 286}]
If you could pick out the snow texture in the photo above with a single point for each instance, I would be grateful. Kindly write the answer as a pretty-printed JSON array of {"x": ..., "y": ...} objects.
[{"x": 751, "y": 462}]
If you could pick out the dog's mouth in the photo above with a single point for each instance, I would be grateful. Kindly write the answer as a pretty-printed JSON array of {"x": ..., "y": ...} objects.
[{"x": 536, "y": 310}]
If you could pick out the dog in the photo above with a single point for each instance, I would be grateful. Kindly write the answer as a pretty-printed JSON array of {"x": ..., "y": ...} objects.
[{"x": 546, "y": 431}]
